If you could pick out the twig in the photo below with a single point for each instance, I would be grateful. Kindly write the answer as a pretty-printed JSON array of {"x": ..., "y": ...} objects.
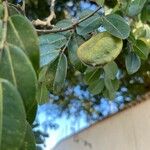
[
  {"x": 70, "y": 27},
  {"x": 48, "y": 20},
  {"x": 4, "y": 28}
]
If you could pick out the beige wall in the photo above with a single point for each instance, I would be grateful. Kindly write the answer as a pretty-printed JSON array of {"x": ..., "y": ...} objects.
[{"x": 127, "y": 130}]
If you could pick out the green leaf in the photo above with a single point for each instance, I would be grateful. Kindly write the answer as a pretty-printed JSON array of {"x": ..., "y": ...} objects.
[
  {"x": 72, "y": 52},
  {"x": 100, "y": 2},
  {"x": 91, "y": 74},
  {"x": 89, "y": 25},
  {"x": 110, "y": 88},
  {"x": 57, "y": 40},
  {"x": 29, "y": 141},
  {"x": 16, "y": 67},
  {"x": 1, "y": 11},
  {"x": 65, "y": 23},
  {"x": 42, "y": 93},
  {"x": 96, "y": 86},
  {"x": 111, "y": 70},
  {"x": 132, "y": 62},
  {"x": 48, "y": 54},
  {"x": 141, "y": 49},
  {"x": 135, "y": 7},
  {"x": 56, "y": 74},
  {"x": 12, "y": 117},
  {"x": 22, "y": 34},
  {"x": 116, "y": 25},
  {"x": 100, "y": 49},
  {"x": 31, "y": 114},
  {"x": 1, "y": 29},
  {"x": 145, "y": 13}
]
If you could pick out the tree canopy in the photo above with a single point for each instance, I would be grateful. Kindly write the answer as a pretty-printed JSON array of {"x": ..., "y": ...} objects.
[{"x": 46, "y": 48}]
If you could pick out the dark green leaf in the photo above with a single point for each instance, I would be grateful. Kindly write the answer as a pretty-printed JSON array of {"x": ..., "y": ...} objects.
[
  {"x": 132, "y": 62},
  {"x": 110, "y": 88},
  {"x": 12, "y": 117},
  {"x": 31, "y": 114},
  {"x": 89, "y": 25},
  {"x": 96, "y": 86},
  {"x": 116, "y": 25},
  {"x": 22, "y": 34},
  {"x": 111, "y": 70},
  {"x": 141, "y": 49},
  {"x": 72, "y": 51},
  {"x": 48, "y": 53},
  {"x": 91, "y": 74},
  {"x": 135, "y": 7},
  {"x": 42, "y": 93},
  {"x": 29, "y": 141},
  {"x": 56, "y": 74},
  {"x": 57, "y": 40},
  {"x": 16, "y": 67}
]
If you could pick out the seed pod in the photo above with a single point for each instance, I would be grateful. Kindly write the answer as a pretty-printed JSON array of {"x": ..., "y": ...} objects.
[{"x": 100, "y": 49}]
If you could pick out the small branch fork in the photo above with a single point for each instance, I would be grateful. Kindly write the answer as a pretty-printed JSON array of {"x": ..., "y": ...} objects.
[
  {"x": 73, "y": 26},
  {"x": 49, "y": 19}
]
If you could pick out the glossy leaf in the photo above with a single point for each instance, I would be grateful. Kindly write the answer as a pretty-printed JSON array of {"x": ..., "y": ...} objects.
[
  {"x": 16, "y": 67},
  {"x": 22, "y": 34},
  {"x": 12, "y": 117},
  {"x": 57, "y": 40},
  {"x": 116, "y": 25},
  {"x": 56, "y": 74},
  {"x": 89, "y": 25},
  {"x": 135, "y": 7},
  {"x": 48, "y": 54},
  {"x": 29, "y": 140},
  {"x": 111, "y": 70},
  {"x": 132, "y": 62},
  {"x": 100, "y": 49}
]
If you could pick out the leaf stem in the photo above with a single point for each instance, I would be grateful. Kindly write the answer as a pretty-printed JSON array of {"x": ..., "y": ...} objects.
[
  {"x": 4, "y": 28},
  {"x": 73, "y": 26}
]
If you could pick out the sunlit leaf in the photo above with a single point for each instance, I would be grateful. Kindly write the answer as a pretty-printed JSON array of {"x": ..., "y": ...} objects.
[
  {"x": 12, "y": 117},
  {"x": 100, "y": 49}
]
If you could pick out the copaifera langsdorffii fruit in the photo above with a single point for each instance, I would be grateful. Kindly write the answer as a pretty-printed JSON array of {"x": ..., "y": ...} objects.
[{"x": 100, "y": 49}]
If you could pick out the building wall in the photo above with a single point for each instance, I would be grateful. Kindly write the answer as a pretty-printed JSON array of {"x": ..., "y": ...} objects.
[{"x": 127, "y": 130}]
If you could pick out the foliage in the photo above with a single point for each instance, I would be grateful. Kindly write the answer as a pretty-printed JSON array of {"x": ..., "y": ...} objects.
[{"x": 41, "y": 59}]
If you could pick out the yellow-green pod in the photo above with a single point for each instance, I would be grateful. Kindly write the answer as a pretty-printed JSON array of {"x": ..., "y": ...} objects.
[{"x": 100, "y": 49}]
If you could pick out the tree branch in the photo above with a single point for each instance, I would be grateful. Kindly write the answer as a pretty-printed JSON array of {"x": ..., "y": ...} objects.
[
  {"x": 73, "y": 26},
  {"x": 48, "y": 20}
]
